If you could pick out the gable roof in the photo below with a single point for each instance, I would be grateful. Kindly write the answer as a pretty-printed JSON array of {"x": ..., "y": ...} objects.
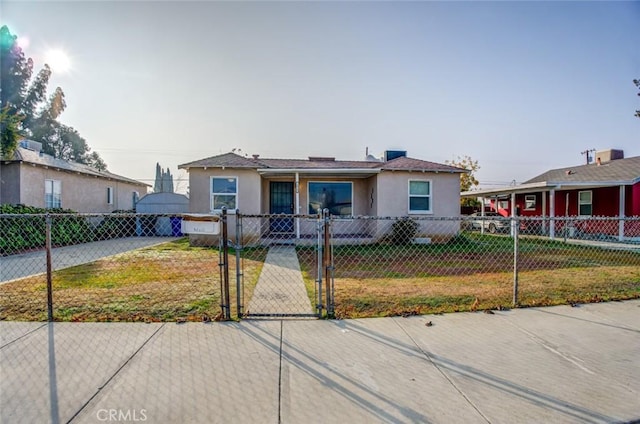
[
  {"x": 619, "y": 171},
  {"x": 613, "y": 173},
  {"x": 40, "y": 159},
  {"x": 232, "y": 160}
]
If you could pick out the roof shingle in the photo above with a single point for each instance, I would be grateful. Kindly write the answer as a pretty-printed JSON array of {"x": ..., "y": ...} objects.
[
  {"x": 232, "y": 160},
  {"x": 619, "y": 170},
  {"x": 31, "y": 156}
]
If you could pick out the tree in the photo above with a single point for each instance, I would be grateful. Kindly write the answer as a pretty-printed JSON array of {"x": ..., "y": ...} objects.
[
  {"x": 9, "y": 133},
  {"x": 468, "y": 180},
  {"x": 637, "y": 83},
  {"x": 164, "y": 180},
  {"x": 26, "y": 99}
]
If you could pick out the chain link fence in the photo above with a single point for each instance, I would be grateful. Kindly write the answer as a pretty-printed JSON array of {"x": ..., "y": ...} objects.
[
  {"x": 134, "y": 267},
  {"x": 104, "y": 267},
  {"x": 404, "y": 266}
]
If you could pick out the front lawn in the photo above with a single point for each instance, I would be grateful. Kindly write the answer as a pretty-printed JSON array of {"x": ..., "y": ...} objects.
[
  {"x": 168, "y": 282},
  {"x": 474, "y": 272}
]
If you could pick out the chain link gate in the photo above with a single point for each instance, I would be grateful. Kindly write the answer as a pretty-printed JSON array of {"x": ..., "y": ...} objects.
[{"x": 283, "y": 264}]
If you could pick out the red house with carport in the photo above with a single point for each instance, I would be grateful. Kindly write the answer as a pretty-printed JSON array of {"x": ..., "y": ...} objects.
[{"x": 608, "y": 187}]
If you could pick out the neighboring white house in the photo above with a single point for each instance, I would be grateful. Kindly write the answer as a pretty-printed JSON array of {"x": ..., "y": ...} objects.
[
  {"x": 36, "y": 179},
  {"x": 398, "y": 186}
]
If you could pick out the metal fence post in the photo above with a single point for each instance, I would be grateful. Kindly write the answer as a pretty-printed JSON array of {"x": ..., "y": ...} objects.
[
  {"x": 225, "y": 266},
  {"x": 238, "y": 247},
  {"x": 327, "y": 263},
  {"x": 516, "y": 237},
  {"x": 49, "y": 268},
  {"x": 319, "y": 245}
]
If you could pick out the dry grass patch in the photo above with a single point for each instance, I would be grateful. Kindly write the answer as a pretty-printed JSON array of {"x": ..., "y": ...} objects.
[
  {"x": 357, "y": 298},
  {"x": 168, "y": 282}
]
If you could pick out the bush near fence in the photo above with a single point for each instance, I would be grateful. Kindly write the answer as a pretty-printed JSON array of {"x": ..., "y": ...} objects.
[{"x": 23, "y": 227}]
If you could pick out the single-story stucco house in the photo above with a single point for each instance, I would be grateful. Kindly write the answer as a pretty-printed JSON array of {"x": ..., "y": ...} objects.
[
  {"x": 33, "y": 178},
  {"x": 394, "y": 186}
]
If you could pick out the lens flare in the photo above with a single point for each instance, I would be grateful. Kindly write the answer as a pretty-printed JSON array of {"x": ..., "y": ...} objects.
[{"x": 58, "y": 60}]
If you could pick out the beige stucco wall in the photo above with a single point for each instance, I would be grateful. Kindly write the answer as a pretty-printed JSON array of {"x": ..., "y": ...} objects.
[
  {"x": 393, "y": 193},
  {"x": 81, "y": 193},
  {"x": 249, "y": 195},
  {"x": 249, "y": 199},
  {"x": 393, "y": 200},
  {"x": 9, "y": 183}
]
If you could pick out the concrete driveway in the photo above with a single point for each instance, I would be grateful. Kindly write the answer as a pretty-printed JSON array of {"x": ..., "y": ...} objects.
[{"x": 34, "y": 263}]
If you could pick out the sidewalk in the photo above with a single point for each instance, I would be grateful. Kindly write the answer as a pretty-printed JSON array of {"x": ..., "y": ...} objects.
[{"x": 558, "y": 364}]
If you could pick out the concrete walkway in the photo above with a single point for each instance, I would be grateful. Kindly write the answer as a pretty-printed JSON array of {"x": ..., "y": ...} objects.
[
  {"x": 280, "y": 290},
  {"x": 538, "y": 365},
  {"x": 34, "y": 263}
]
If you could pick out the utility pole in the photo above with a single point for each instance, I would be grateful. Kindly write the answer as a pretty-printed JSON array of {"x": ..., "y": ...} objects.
[{"x": 586, "y": 153}]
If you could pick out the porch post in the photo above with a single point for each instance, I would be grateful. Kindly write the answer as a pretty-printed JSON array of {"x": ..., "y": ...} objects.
[
  {"x": 552, "y": 213},
  {"x": 544, "y": 212},
  {"x": 297, "y": 211},
  {"x": 513, "y": 214},
  {"x": 621, "y": 214}
]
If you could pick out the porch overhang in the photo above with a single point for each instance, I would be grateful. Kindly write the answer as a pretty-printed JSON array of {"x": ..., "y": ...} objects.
[
  {"x": 323, "y": 172},
  {"x": 542, "y": 187}
]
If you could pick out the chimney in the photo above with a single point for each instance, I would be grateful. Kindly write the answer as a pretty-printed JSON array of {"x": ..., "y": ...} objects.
[{"x": 604, "y": 156}]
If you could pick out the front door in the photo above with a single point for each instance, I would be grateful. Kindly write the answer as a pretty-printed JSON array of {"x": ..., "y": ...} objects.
[{"x": 281, "y": 195}]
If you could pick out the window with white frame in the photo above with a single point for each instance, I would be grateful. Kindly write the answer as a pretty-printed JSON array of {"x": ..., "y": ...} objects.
[
  {"x": 530, "y": 202},
  {"x": 224, "y": 192},
  {"x": 420, "y": 196},
  {"x": 337, "y": 196},
  {"x": 52, "y": 194},
  {"x": 585, "y": 203},
  {"x": 109, "y": 195}
]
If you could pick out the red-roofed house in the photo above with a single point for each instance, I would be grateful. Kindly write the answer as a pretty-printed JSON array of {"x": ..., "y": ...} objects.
[{"x": 396, "y": 187}]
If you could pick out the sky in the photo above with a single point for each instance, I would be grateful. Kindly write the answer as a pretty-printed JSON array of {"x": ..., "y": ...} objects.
[{"x": 521, "y": 87}]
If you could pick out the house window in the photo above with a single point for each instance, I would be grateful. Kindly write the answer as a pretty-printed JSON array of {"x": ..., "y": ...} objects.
[
  {"x": 419, "y": 196},
  {"x": 52, "y": 194},
  {"x": 109, "y": 195},
  {"x": 335, "y": 196},
  {"x": 530, "y": 202},
  {"x": 224, "y": 192},
  {"x": 585, "y": 205}
]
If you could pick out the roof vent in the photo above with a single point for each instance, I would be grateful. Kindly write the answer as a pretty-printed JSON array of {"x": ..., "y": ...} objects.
[
  {"x": 394, "y": 154},
  {"x": 321, "y": 159},
  {"x": 603, "y": 156}
]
